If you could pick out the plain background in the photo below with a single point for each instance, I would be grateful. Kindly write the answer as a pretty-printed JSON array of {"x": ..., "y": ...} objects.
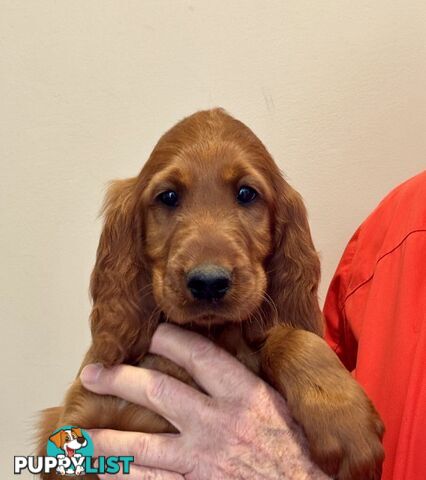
[{"x": 335, "y": 89}]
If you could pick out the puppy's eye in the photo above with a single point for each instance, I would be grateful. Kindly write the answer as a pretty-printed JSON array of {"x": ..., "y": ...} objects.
[
  {"x": 169, "y": 198},
  {"x": 246, "y": 194}
]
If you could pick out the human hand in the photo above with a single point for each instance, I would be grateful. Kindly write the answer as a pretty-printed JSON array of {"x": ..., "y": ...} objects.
[{"x": 239, "y": 429}]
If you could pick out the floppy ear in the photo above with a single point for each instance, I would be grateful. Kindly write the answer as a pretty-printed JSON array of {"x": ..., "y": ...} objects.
[
  {"x": 77, "y": 431},
  {"x": 294, "y": 268},
  {"x": 57, "y": 438},
  {"x": 123, "y": 306}
]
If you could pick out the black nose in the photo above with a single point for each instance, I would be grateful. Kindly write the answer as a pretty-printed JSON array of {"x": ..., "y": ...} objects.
[{"x": 208, "y": 282}]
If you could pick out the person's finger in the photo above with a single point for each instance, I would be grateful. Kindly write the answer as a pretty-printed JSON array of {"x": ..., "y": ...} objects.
[
  {"x": 170, "y": 398},
  {"x": 215, "y": 370},
  {"x": 165, "y": 451},
  {"x": 141, "y": 473}
]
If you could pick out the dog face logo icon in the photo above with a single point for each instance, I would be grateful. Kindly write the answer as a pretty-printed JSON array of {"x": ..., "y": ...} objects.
[
  {"x": 70, "y": 445},
  {"x": 69, "y": 440}
]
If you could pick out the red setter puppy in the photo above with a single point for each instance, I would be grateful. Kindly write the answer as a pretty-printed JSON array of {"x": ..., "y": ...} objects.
[{"x": 211, "y": 236}]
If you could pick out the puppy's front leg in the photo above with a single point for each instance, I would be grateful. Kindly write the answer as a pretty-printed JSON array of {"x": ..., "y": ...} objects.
[{"x": 341, "y": 424}]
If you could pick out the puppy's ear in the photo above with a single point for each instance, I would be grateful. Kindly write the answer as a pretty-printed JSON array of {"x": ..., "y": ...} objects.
[
  {"x": 77, "y": 431},
  {"x": 294, "y": 268},
  {"x": 58, "y": 438},
  {"x": 121, "y": 318}
]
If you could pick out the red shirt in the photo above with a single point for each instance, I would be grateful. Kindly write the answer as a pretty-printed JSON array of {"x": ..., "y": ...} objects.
[{"x": 375, "y": 312}]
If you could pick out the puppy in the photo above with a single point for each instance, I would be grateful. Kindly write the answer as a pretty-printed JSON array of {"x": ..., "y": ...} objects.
[{"x": 209, "y": 235}]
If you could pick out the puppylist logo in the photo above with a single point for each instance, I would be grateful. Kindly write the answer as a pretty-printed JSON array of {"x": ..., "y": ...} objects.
[{"x": 70, "y": 452}]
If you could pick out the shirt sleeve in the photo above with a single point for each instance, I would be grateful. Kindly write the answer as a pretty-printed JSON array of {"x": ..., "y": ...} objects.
[{"x": 337, "y": 333}]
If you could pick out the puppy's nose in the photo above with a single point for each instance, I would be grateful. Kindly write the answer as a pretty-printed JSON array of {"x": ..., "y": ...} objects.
[{"x": 208, "y": 282}]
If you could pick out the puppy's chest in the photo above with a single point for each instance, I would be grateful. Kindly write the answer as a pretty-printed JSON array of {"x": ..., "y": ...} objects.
[{"x": 233, "y": 340}]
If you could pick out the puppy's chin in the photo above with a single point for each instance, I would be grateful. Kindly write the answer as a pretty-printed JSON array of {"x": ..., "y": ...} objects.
[
  {"x": 199, "y": 316},
  {"x": 208, "y": 314}
]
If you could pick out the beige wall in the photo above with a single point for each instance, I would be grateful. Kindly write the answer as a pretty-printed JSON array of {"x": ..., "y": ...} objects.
[{"x": 336, "y": 89}]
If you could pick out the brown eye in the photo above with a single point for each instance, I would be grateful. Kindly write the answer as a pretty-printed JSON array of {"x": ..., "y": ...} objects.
[
  {"x": 246, "y": 194},
  {"x": 169, "y": 198}
]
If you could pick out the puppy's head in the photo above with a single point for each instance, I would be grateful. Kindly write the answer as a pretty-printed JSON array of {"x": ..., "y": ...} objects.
[{"x": 209, "y": 232}]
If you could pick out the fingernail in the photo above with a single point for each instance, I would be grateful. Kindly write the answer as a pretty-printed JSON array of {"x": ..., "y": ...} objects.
[{"x": 90, "y": 373}]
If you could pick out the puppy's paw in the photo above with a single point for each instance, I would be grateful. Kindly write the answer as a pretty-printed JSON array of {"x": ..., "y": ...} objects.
[
  {"x": 79, "y": 470},
  {"x": 345, "y": 438},
  {"x": 342, "y": 427}
]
